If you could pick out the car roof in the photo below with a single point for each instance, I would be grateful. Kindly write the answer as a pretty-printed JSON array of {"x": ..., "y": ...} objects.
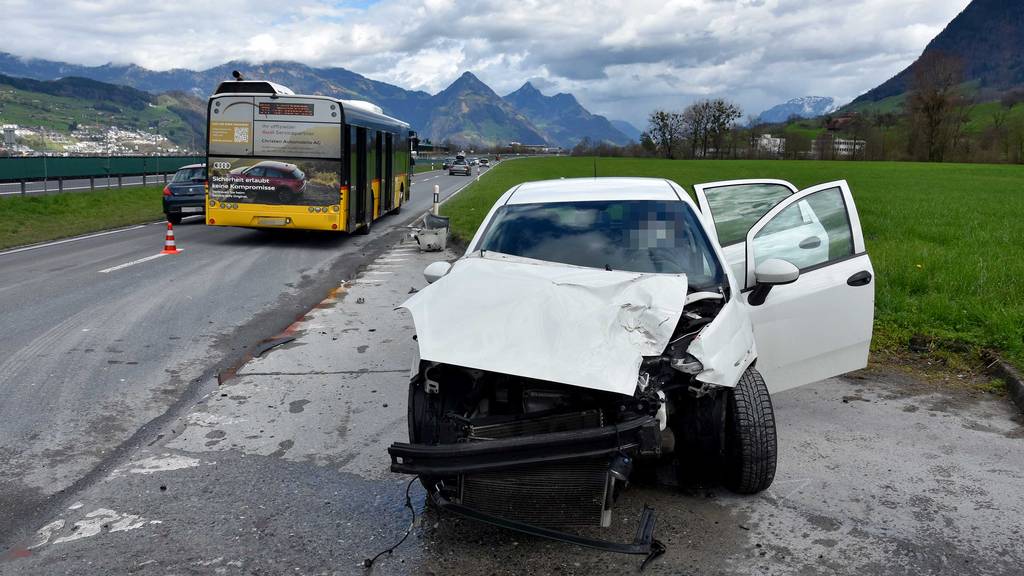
[
  {"x": 584, "y": 189},
  {"x": 274, "y": 164},
  {"x": 192, "y": 166}
]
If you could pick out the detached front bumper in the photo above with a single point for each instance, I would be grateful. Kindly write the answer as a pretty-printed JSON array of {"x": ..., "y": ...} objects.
[
  {"x": 641, "y": 435},
  {"x": 538, "y": 482}
]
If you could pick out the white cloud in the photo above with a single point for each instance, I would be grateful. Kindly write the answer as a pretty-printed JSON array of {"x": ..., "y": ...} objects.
[{"x": 619, "y": 58}]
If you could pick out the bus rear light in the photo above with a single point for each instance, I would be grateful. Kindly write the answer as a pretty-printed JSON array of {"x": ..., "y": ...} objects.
[
  {"x": 336, "y": 208},
  {"x": 334, "y": 226},
  {"x": 212, "y": 221},
  {"x": 167, "y": 190},
  {"x": 213, "y": 203}
]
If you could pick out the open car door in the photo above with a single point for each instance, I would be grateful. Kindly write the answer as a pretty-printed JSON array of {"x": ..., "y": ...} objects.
[
  {"x": 819, "y": 325},
  {"x": 731, "y": 207}
]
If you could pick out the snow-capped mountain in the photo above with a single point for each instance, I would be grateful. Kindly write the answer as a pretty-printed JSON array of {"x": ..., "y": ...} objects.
[{"x": 805, "y": 107}]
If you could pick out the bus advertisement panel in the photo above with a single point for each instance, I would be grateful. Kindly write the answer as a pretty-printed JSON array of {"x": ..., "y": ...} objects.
[{"x": 278, "y": 181}]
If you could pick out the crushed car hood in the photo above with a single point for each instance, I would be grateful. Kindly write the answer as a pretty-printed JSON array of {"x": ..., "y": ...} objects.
[{"x": 578, "y": 326}]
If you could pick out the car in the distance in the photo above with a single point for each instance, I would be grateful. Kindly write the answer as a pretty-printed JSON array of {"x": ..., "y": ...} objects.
[
  {"x": 597, "y": 326},
  {"x": 485, "y": 162},
  {"x": 185, "y": 194},
  {"x": 460, "y": 166},
  {"x": 447, "y": 163}
]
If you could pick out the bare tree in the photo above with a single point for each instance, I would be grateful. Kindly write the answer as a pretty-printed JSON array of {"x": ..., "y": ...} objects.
[
  {"x": 665, "y": 129},
  {"x": 936, "y": 107}
]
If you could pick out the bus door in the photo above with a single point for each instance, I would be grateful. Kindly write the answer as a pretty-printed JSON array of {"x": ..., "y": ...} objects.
[
  {"x": 389, "y": 173},
  {"x": 378, "y": 172},
  {"x": 361, "y": 187}
]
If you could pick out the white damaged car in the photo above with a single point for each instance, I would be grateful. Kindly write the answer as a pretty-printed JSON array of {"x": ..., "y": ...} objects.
[{"x": 601, "y": 325}]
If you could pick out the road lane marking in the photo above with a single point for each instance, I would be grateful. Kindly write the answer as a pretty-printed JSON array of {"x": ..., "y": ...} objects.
[
  {"x": 134, "y": 262},
  {"x": 75, "y": 239}
]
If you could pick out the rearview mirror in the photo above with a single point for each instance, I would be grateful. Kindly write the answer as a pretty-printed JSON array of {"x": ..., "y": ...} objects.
[
  {"x": 435, "y": 270},
  {"x": 771, "y": 272}
]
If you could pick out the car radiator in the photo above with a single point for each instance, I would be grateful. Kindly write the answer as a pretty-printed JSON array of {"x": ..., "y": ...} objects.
[
  {"x": 537, "y": 425},
  {"x": 564, "y": 494},
  {"x": 554, "y": 495}
]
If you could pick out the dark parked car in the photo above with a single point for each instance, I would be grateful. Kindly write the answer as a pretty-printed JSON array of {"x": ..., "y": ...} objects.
[
  {"x": 460, "y": 166},
  {"x": 185, "y": 194}
]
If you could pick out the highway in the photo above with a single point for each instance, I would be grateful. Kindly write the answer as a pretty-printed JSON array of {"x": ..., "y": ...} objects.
[{"x": 99, "y": 341}]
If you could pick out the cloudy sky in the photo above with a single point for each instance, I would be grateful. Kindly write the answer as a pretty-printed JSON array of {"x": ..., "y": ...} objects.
[{"x": 621, "y": 58}]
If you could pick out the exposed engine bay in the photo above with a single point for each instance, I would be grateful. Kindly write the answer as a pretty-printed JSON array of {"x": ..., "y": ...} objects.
[{"x": 555, "y": 455}]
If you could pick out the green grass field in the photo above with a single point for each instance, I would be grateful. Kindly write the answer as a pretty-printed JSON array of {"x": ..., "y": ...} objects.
[
  {"x": 30, "y": 219},
  {"x": 946, "y": 240}
]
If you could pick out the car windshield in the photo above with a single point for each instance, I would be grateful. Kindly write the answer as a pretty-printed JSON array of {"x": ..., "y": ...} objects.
[
  {"x": 649, "y": 236},
  {"x": 189, "y": 174}
]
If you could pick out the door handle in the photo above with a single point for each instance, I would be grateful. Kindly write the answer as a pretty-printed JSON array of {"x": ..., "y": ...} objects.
[
  {"x": 862, "y": 278},
  {"x": 811, "y": 242}
]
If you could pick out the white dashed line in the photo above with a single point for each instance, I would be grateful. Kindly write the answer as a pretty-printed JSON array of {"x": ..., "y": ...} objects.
[{"x": 134, "y": 262}]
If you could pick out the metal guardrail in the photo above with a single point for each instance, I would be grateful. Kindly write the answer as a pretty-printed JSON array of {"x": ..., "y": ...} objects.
[{"x": 36, "y": 168}]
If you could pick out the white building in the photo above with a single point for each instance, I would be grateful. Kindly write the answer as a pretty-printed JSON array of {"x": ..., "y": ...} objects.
[
  {"x": 768, "y": 145},
  {"x": 10, "y": 131},
  {"x": 829, "y": 146}
]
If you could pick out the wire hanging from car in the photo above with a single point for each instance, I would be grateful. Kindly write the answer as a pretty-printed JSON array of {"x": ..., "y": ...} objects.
[{"x": 368, "y": 563}]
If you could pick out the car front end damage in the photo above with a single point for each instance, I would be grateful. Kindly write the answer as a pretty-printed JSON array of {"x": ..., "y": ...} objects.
[{"x": 539, "y": 428}]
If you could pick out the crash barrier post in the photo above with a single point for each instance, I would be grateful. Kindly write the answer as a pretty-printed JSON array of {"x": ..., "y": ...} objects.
[{"x": 437, "y": 199}]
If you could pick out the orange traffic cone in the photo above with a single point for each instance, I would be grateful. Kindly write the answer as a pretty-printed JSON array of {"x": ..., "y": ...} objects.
[{"x": 169, "y": 247}]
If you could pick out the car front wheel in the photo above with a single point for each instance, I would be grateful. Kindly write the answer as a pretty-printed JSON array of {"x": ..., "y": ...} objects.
[
  {"x": 751, "y": 447},
  {"x": 174, "y": 219}
]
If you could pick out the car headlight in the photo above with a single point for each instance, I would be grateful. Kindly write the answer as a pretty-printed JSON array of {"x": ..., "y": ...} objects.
[{"x": 687, "y": 365}]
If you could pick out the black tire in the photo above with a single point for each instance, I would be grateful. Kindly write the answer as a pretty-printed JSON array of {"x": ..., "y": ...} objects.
[
  {"x": 365, "y": 229},
  {"x": 174, "y": 219},
  {"x": 751, "y": 447}
]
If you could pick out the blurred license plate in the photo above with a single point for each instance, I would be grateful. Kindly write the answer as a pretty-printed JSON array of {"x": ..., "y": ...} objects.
[
  {"x": 273, "y": 221},
  {"x": 192, "y": 209}
]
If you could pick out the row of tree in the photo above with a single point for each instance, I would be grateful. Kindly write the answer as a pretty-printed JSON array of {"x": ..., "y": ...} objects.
[
  {"x": 938, "y": 122},
  {"x": 701, "y": 130}
]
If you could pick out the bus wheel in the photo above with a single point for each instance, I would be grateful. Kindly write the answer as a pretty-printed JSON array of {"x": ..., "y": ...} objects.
[{"x": 364, "y": 230}]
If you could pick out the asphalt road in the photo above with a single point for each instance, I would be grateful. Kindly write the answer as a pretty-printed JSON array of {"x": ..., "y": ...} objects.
[
  {"x": 282, "y": 469},
  {"x": 99, "y": 344},
  {"x": 78, "y": 185}
]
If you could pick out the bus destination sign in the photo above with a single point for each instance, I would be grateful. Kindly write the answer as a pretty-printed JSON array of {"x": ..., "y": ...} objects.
[{"x": 285, "y": 109}]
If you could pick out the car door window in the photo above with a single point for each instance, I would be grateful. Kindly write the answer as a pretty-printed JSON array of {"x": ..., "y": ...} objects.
[
  {"x": 820, "y": 325},
  {"x": 808, "y": 233},
  {"x": 734, "y": 206},
  {"x": 256, "y": 172}
]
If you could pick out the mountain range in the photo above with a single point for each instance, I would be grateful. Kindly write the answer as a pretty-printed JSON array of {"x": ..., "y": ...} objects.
[
  {"x": 805, "y": 107},
  {"x": 987, "y": 37},
  {"x": 468, "y": 112}
]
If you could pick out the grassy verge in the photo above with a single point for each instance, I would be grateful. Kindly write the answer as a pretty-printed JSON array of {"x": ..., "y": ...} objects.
[
  {"x": 946, "y": 240},
  {"x": 30, "y": 219},
  {"x": 425, "y": 166}
]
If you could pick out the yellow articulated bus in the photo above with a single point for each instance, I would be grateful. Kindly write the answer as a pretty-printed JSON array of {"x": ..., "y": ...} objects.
[{"x": 280, "y": 160}]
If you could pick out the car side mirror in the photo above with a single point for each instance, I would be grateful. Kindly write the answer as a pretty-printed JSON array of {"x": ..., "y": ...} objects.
[
  {"x": 435, "y": 270},
  {"x": 771, "y": 272}
]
